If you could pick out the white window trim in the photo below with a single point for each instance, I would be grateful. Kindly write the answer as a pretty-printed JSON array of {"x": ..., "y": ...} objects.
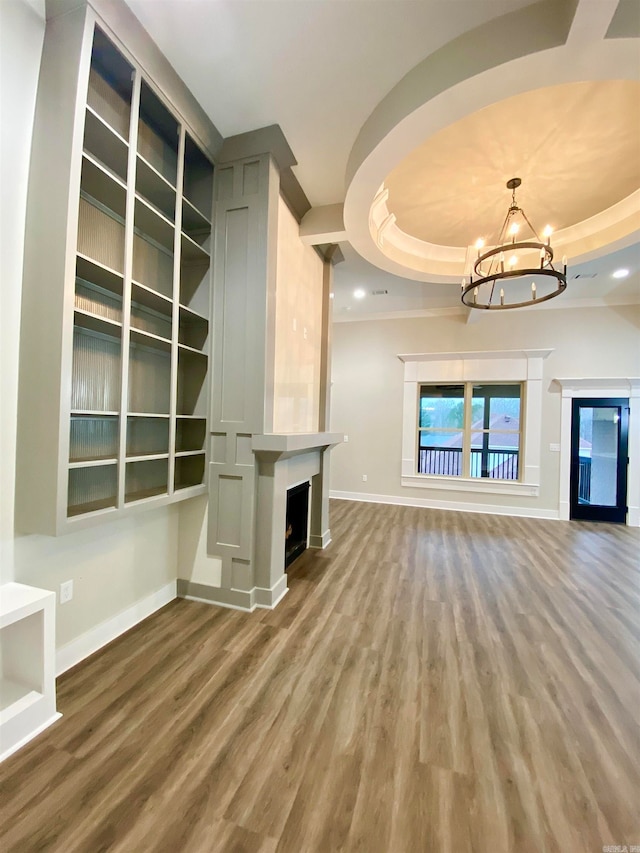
[
  {"x": 605, "y": 387},
  {"x": 523, "y": 366}
]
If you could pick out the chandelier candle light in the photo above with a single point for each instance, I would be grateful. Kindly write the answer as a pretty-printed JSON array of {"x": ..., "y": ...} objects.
[{"x": 510, "y": 261}]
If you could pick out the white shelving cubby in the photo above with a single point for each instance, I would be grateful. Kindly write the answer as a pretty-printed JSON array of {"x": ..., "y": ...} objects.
[{"x": 27, "y": 664}]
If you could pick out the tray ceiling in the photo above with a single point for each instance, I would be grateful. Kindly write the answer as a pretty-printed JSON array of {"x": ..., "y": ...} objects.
[
  {"x": 576, "y": 147},
  {"x": 438, "y": 103}
]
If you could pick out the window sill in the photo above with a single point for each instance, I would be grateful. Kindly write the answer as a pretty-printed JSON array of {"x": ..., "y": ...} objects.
[{"x": 464, "y": 484}]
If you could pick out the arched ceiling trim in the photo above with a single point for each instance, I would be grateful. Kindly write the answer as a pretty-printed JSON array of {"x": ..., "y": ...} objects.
[{"x": 382, "y": 144}]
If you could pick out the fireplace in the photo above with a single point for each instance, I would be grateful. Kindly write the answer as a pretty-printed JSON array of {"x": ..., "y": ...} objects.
[{"x": 296, "y": 524}]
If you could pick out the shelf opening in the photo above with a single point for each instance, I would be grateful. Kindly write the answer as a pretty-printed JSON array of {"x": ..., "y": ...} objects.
[
  {"x": 100, "y": 235},
  {"x": 95, "y": 380},
  {"x": 149, "y": 320},
  {"x": 198, "y": 178},
  {"x": 191, "y": 251},
  {"x": 192, "y": 372},
  {"x": 158, "y": 134},
  {"x": 193, "y": 330},
  {"x": 147, "y": 436},
  {"x": 149, "y": 380},
  {"x": 106, "y": 146},
  {"x": 97, "y": 300},
  {"x": 150, "y": 224},
  {"x": 145, "y": 479},
  {"x": 95, "y": 273},
  {"x": 194, "y": 285},
  {"x": 110, "y": 84},
  {"x": 92, "y": 489},
  {"x": 152, "y": 266},
  {"x": 190, "y": 434},
  {"x": 189, "y": 471},
  {"x": 93, "y": 437},
  {"x": 193, "y": 221},
  {"x": 105, "y": 188},
  {"x": 21, "y": 663},
  {"x": 155, "y": 188},
  {"x": 151, "y": 299},
  {"x": 196, "y": 242}
]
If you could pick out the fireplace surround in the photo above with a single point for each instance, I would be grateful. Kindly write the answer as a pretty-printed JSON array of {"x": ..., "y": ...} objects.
[{"x": 284, "y": 461}]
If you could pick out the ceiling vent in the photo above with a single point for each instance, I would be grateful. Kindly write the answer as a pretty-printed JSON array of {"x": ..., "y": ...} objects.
[
  {"x": 584, "y": 275},
  {"x": 379, "y": 292}
]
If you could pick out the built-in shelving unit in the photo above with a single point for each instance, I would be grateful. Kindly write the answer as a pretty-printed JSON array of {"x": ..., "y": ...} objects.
[
  {"x": 133, "y": 389},
  {"x": 27, "y": 677}
]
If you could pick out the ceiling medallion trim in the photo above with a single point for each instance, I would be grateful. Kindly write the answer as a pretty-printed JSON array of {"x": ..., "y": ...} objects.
[{"x": 377, "y": 152}]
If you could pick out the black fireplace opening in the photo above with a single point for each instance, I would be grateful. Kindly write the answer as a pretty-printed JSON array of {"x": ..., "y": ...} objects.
[{"x": 296, "y": 525}]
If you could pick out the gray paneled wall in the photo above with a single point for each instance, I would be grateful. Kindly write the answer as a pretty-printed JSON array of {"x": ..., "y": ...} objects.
[{"x": 244, "y": 292}]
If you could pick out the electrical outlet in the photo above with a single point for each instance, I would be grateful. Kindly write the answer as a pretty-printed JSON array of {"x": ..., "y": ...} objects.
[
  {"x": 364, "y": 478},
  {"x": 304, "y": 333},
  {"x": 346, "y": 438},
  {"x": 66, "y": 592}
]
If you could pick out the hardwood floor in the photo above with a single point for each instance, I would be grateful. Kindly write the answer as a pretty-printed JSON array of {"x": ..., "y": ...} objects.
[{"x": 433, "y": 681}]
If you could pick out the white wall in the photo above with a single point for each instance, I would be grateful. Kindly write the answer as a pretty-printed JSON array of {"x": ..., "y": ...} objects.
[
  {"x": 298, "y": 330},
  {"x": 114, "y": 566},
  {"x": 21, "y": 37},
  {"x": 194, "y": 564},
  {"x": 367, "y": 387}
]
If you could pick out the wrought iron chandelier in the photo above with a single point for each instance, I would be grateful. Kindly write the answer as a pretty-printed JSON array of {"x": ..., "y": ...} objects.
[{"x": 512, "y": 266}]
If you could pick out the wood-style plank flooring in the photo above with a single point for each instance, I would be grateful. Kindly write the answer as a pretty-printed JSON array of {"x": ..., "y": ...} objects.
[{"x": 433, "y": 681}]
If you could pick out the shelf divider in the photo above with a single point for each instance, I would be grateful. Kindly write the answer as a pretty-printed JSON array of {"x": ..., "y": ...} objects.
[
  {"x": 95, "y": 323},
  {"x": 128, "y": 276}
]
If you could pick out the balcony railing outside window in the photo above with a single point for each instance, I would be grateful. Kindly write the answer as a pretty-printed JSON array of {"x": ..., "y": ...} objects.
[
  {"x": 494, "y": 464},
  {"x": 584, "y": 479}
]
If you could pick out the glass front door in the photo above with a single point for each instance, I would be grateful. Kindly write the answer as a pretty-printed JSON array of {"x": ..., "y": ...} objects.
[{"x": 599, "y": 434}]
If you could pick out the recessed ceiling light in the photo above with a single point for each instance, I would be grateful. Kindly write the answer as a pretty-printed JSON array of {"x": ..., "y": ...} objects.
[
  {"x": 359, "y": 293},
  {"x": 623, "y": 273}
]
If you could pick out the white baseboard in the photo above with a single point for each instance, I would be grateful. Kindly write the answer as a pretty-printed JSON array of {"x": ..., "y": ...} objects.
[
  {"x": 249, "y": 609},
  {"x": 456, "y": 506},
  {"x": 246, "y": 600},
  {"x": 268, "y": 599},
  {"x": 85, "y": 645},
  {"x": 32, "y": 734},
  {"x": 320, "y": 541},
  {"x": 633, "y": 514}
]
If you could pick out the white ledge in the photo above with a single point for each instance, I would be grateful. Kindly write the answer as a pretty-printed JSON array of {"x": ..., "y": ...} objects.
[
  {"x": 288, "y": 444},
  {"x": 17, "y": 601},
  {"x": 461, "y": 356},
  {"x": 610, "y": 383},
  {"x": 479, "y": 484}
]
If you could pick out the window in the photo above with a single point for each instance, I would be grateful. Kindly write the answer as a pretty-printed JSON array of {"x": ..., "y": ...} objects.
[
  {"x": 470, "y": 430},
  {"x": 491, "y": 374}
]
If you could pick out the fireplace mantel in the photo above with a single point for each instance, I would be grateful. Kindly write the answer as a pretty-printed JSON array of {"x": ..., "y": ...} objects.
[
  {"x": 285, "y": 460},
  {"x": 275, "y": 446}
]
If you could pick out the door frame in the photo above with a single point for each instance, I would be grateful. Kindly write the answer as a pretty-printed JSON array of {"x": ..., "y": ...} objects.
[
  {"x": 618, "y": 513},
  {"x": 599, "y": 388}
]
